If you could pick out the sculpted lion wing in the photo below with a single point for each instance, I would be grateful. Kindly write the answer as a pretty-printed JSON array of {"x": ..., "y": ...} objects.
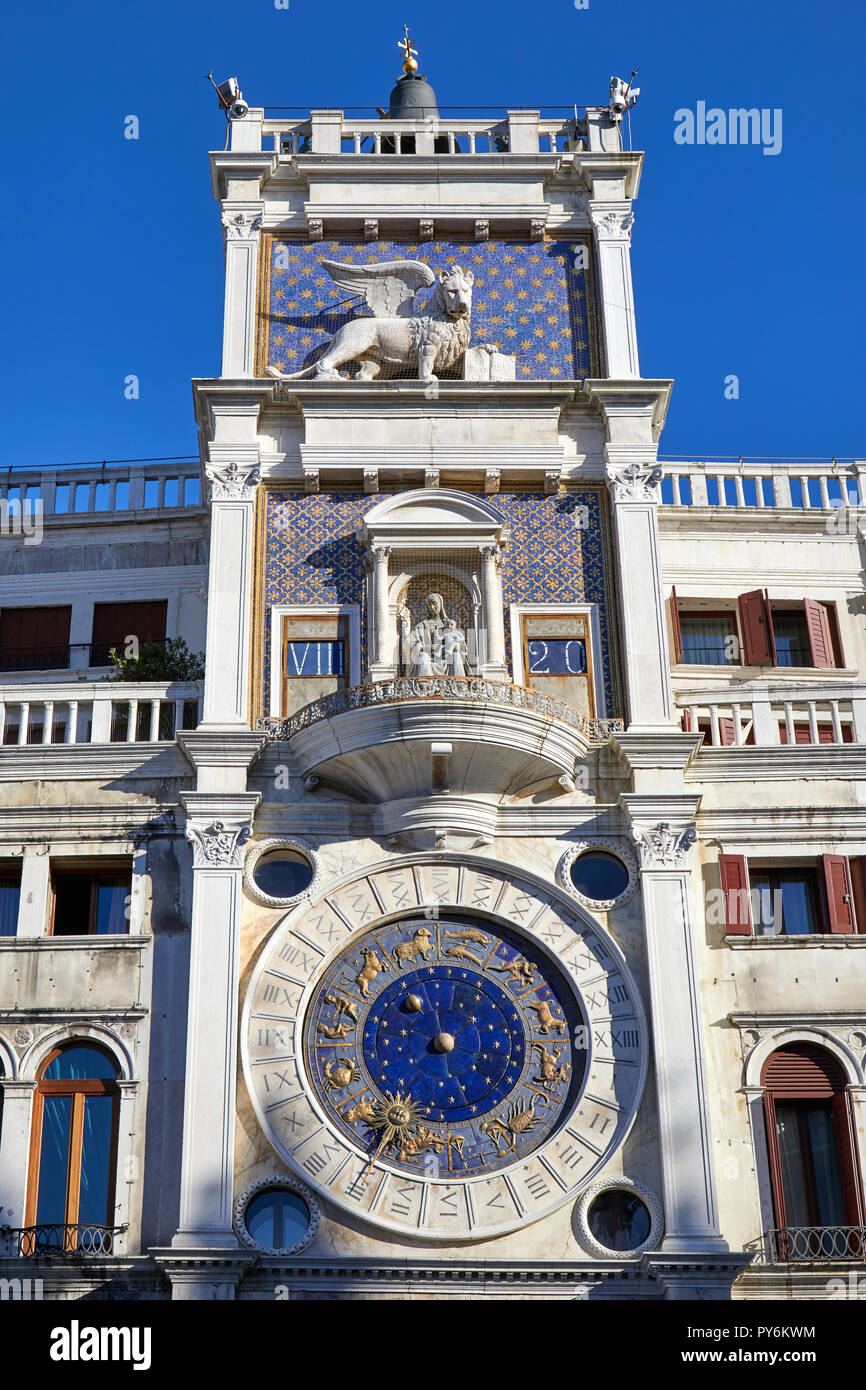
[{"x": 389, "y": 288}]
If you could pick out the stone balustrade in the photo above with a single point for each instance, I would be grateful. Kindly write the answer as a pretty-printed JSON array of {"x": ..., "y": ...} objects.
[
  {"x": 334, "y": 132},
  {"x": 83, "y": 492},
  {"x": 98, "y": 712},
  {"x": 785, "y": 714},
  {"x": 805, "y": 484}
]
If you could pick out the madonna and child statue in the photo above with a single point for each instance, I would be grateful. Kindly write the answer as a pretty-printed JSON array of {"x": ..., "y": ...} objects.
[{"x": 436, "y": 646}]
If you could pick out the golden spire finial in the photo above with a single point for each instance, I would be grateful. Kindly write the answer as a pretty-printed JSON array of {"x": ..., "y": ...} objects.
[{"x": 409, "y": 64}]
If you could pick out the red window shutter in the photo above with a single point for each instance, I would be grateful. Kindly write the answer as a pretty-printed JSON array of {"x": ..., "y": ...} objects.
[
  {"x": 820, "y": 637},
  {"x": 726, "y": 732},
  {"x": 857, "y": 871},
  {"x": 735, "y": 887},
  {"x": 775, "y": 1162},
  {"x": 112, "y": 622},
  {"x": 849, "y": 1164},
  {"x": 839, "y": 898},
  {"x": 758, "y": 647},
  {"x": 803, "y": 1071},
  {"x": 687, "y": 721},
  {"x": 34, "y": 627},
  {"x": 675, "y": 624}
]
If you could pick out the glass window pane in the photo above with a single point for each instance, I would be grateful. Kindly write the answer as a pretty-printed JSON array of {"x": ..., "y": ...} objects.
[
  {"x": 792, "y": 638},
  {"x": 81, "y": 1063},
  {"x": 599, "y": 876},
  {"x": 794, "y": 1187},
  {"x": 10, "y": 892},
  {"x": 111, "y": 917},
  {"x": 282, "y": 873},
  {"x": 799, "y": 909},
  {"x": 277, "y": 1219},
  {"x": 54, "y": 1160},
  {"x": 95, "y": 1161},
  {"x": 709, "y": 640},
  {"x": 828, "y": 1188},
  {"x": 763, "y": 904},
  {"x": 619, "y": 1220}
]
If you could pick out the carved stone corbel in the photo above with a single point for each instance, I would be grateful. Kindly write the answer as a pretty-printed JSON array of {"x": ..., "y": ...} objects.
[
  {"x": 425, "y": 229},
  {"x": 664, "y": 846},
  {"x": 431, "y": 477},
  {"x": 217, "y": 845},
  {"x": 371, "y": 229},
  {"x": 315, "y": 228},
  {"x": 311, "y": 480},
  {"x": 492, "y": 479},
  {"x": 232, "y": 482},
  {"x": 371, "y": 480},
  {"x": 634, "y": 482},
  {"x": 482, "y": 229}
]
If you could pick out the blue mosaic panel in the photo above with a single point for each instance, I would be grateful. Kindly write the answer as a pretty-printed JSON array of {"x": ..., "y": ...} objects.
[
  {"x": 530, "y": 298},
  {"x": 313, "y": 557}
]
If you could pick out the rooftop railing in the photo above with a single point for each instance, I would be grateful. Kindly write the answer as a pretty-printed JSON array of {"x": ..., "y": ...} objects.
[
  {"x": 98, "y": 712},
  {"x": 805, "y": 484},
  {"x": 89, "y": 490}
]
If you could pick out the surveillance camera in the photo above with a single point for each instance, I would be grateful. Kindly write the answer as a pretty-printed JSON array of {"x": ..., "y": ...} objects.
[{"x": 239, "y": 109}]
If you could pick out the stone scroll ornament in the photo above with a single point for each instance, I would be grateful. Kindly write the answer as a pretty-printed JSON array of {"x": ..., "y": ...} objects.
[
  {"x": 232, "y": 482},
  {"x": 396, "y": 336},
  {"x": 634, "y": 482},
  {"x": 217, "y": 846},
  {"x": 664, "y": 846}
]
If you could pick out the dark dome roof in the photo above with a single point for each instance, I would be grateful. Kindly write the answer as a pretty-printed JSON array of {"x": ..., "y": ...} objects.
[{"x": 412, "y": 97}]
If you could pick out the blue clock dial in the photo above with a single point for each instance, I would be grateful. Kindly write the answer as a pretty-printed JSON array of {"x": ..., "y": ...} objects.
[{"x": 448, "y": 1046}]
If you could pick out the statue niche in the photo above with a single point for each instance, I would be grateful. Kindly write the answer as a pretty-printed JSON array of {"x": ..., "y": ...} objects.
[{"x": 436, "y": 646}]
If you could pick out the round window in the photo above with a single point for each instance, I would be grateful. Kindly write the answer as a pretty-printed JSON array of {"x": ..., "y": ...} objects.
[
  {"x": 619, "y": 1220},
  {"x": 599, "y": 875},
  {"x": 277, "y": 1219},
  {"x": 282, "y": 873}
]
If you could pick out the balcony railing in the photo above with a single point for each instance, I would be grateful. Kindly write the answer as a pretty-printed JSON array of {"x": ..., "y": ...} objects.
[
  {"x": 473, "y": 690},
  {"x": 339, "y": 132},
  {"x": 792, "y": 1244},
  {"x": 786, "y": 714},
  {"x": 98, "y": 712},
  {"x": 51, "y": 1241},
  {"x": 83, "y": 655},
  {"x": 804, "y": 484}
]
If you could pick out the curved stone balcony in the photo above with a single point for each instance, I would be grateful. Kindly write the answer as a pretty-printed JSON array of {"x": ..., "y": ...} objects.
[{"x": 410, "y": 739}]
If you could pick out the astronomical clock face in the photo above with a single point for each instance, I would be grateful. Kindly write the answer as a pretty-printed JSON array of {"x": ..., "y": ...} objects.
[{"x": 444, "y": 1048}]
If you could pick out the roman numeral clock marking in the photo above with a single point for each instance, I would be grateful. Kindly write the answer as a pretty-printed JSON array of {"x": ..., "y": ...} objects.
[{"x": 498, "y": 1139}]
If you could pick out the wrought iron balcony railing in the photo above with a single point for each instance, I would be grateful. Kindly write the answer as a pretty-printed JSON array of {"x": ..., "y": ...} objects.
[
  {"x": 471, "y": 690},
  {"x": 50, "y": 1241},
  {"x": 791, "y": 1244}
]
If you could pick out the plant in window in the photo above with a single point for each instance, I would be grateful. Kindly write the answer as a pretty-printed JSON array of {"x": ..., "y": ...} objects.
[{"x": 159, "y": 661}]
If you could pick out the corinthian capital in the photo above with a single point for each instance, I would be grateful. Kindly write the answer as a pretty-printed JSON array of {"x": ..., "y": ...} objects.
[
  {"x": 634, "y": 482},
  {"x": 664, "y": 846},
  {"x": 241, "y": 224},
  {"x": 612, "y": 223},
  {"x": 217, "y": 845},
  {"x": 232, "y": 482}
]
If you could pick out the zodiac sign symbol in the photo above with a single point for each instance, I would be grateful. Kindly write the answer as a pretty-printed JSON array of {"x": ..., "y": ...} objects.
[
  {"x": 477, "y": 937},
  {"x": 521, "y": 1118},
  {"x": 547, "y": 1021},
  {"x": 364, "y": 1110},
  {"x": 369, "y": 970},
  {"x": 340, "y": 1073},
  {"x": 412, "y": 1146},
  {"x": 420, "y": 945},
  {"x": 343, "y": 1006},
  {"x": 338, "y": 1033},
  {"x": 550, "y": 1072},
  {"x": 461, "y": 953},
  {"x": 518, "y": 970}
]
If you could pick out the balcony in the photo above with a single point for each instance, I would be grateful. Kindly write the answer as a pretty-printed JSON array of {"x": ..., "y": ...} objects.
[
  {"x": 50, "y": 1242},
  {"x": 75, "y": 712},
  {"x": 801, "y": 1244},
  {"x": 107, "y": 492},
  {"x": 754, "y": 713},
  {"x": 762, "y": 485},
  {"x": 415, "y": 741}
]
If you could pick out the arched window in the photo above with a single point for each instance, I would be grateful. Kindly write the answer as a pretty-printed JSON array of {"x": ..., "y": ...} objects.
[
  {"x": 70, "y": 1197},
  {"x": 814, "y": 1170}
]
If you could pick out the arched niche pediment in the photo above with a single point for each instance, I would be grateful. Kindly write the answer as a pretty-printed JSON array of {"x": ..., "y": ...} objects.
[{"x": 435, "y": 516}]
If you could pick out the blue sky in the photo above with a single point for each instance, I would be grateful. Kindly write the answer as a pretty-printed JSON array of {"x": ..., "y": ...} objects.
[{"x": 744, "y": 263}]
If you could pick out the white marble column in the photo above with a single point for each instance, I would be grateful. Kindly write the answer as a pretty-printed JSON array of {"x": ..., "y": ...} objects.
[
  {"x": 242, "y": 222},
  {"x": 663, "y": 831},
  {"x": 612, "y": 223},
  {"x": 226, "y": 688},
  {"x": 14, "y": 1149},
  {"x": 633, "y": 491},
  {"x": 381, "y": 607},
  {"x": 217, "y": 827},
  {"x": 491, "y": 588}
]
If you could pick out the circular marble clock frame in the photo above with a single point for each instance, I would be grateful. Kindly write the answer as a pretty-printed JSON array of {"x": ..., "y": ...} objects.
[{"x": 362, "y": 1163}]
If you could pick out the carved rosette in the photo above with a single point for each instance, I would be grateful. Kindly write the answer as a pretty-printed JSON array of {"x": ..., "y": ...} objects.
[
  {"x": 242, "y": 225},
  {"x": 664, "y": 846},
  {"x": 218, "y": 845},
  {"x": 233, "y": 482},
  {"x": 634, "y": 482}
]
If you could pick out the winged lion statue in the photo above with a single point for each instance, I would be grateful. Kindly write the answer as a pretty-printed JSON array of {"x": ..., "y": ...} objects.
[{"x": 395, "y": 337}]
